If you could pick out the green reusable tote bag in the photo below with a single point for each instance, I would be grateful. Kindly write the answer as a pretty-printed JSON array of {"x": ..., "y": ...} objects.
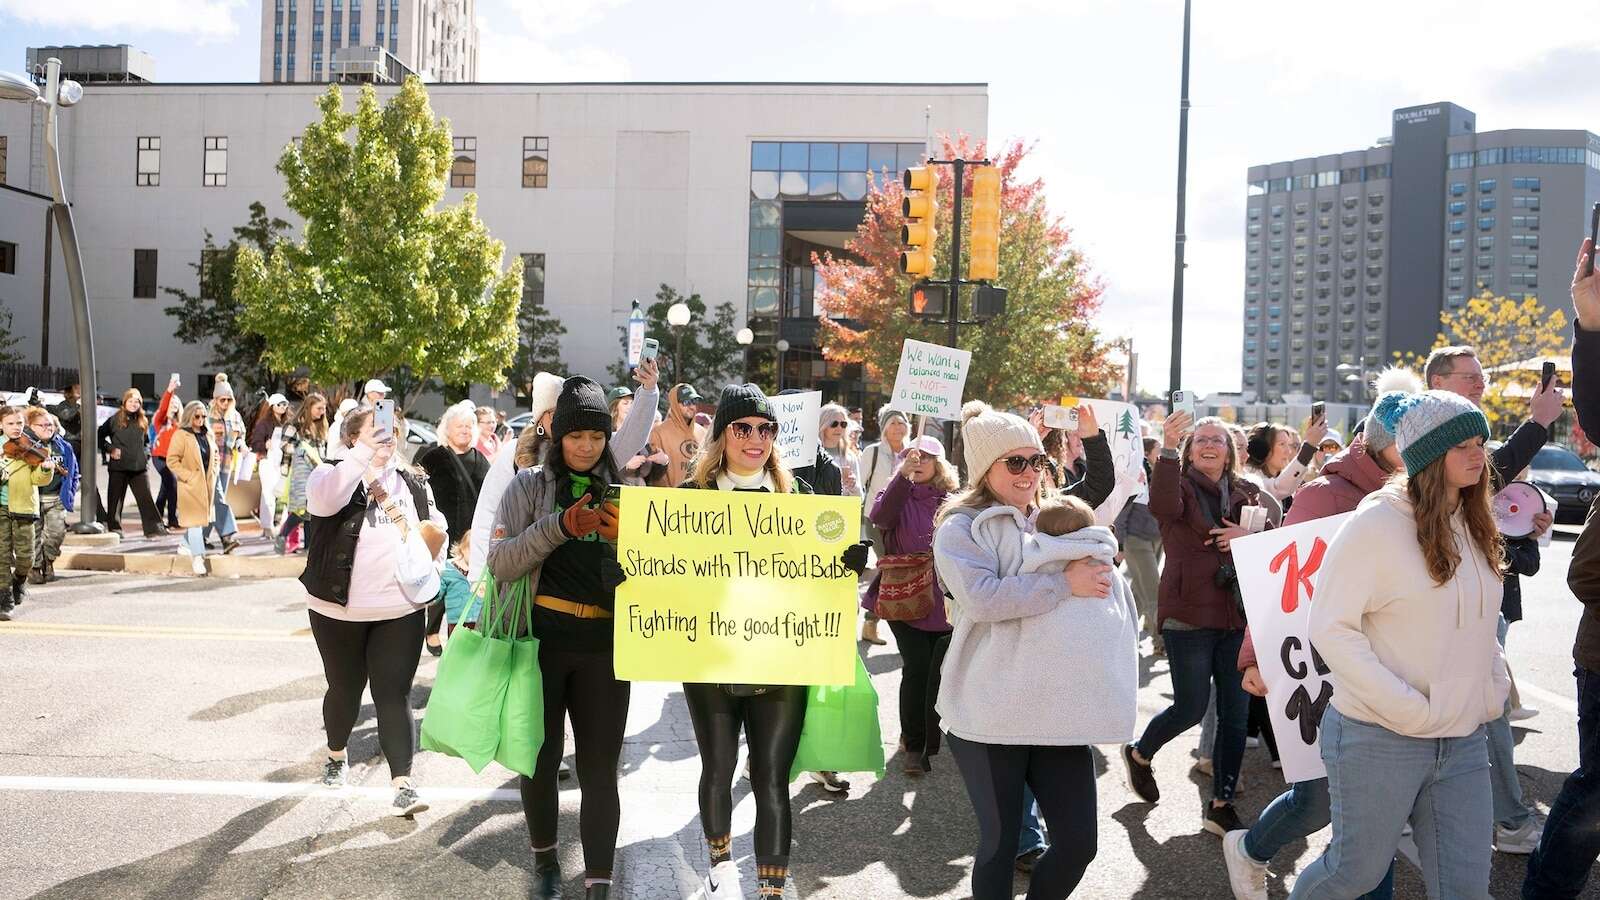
[
  {"x": 841, "y": 733},
  {"x": 469, "y": 689},
  {"x": 522, "y": 711}
]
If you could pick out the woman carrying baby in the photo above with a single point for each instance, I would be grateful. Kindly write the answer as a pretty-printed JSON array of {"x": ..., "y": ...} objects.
[{"x": 1031, "y": 590}]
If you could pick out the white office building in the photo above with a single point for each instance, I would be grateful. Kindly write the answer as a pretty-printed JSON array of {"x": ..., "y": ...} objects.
[{"x": 607, "y": 190}]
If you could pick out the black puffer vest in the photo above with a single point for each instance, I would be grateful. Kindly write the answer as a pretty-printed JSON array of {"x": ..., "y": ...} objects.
[{"x": 331, "y": 541}]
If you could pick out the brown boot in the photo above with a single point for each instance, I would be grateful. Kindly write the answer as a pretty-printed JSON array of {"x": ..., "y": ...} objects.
[
  {"x": 36, "y": 576},
  {"x": 869, "y": 633}
]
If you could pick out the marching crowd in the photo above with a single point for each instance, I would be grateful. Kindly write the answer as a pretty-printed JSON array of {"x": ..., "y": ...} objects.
[{"x": 1019, "y": 632}]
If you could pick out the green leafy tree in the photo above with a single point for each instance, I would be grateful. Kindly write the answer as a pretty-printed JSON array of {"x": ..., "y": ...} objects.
[
  {"x": 1043, "y": 347},
  {"x": 210, "y": 315},
  {"x": 383, "y": 276},
  {"x": 539, "y": 335},
  {"x": 712, "y": 356},
  {"x": 8, "y": 341}
]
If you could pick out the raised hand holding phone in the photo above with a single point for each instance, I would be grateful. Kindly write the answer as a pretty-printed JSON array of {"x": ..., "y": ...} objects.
[{"x": 1586, "y": 287}]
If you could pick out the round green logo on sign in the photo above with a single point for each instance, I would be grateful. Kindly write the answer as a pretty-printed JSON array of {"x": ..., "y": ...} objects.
[{"x": 830, "y": 525}]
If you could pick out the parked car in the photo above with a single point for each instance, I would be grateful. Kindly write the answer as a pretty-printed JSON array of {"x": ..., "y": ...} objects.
[
  {"x": 419, "y": 437},
  {"x": 1561, "y": 473},
  {"x": 518, "y": 422}
]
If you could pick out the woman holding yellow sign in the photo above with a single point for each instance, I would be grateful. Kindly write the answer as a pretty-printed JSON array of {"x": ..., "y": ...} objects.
[
  {"x": 738, "y": 457},
  {"x": 553, "y": 530}
]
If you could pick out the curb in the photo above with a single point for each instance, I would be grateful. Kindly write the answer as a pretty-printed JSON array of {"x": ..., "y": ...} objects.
[{"x": 175, "y": 565}]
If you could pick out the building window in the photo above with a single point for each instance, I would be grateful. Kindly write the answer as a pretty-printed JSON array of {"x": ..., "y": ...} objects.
[
  {"x": 1457, "y": 207},
  {"x": 1374, "y": 199},
  {"x": 1485, "y": 243},
  {"x": 1529, "y": 222},
  {"x": 1525, "y": 184},
  {"x": 8, "y": 258},
  {"x": 1458, "y": 188},
  {"x": 1486, "y": 223},
  {"x": 216, "y": 162},
  {"x": 1457, "y": 244},
  {"x": 535, "y": 162},
  {"x": 1485, "y": 261},
  {"x": 144, "y": 274},
  {"x": 1525, "y": 202},
  {"x": 1485, "y": 204},
  {"x": 147, "y": 166},
  {"x": 1486, "y": 185},
  {"x": 533, "y": 279},
  {"x": 464, "y": 167}
]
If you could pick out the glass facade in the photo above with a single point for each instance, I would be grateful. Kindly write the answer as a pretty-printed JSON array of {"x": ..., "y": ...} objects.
[{"x": 806, "y": 170}]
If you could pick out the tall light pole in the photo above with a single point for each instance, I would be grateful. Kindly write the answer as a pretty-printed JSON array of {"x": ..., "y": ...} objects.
[
  {"x": 745, "y": 337},
  {"x": 59, "y": 92},
  {"x": 678, "y": 316},
  {"x": 783, "y": 347},
  {"x": 1176, "y": 376}
]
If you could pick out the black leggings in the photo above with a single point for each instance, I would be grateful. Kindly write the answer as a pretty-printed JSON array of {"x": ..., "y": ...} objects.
[
  {"x": 773, "y": 721},
  {"x": 167, "y": 497},
  {"x": 922, "y": 653},
  {"x": 1062, "y": 778},
  {"x": 1260, "y": 725},
  {"x": 583, "y": 686},
  {"x": 386, "y": 654},
  {"x": 117, "y": 486}
]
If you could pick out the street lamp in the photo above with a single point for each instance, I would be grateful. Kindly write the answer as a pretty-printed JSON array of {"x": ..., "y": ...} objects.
[
  {"x": 59, "y": 92},
  {"x": 678, "y": 316},
  {"x": 783, "y": 347},
  {"x": 746, "y": 337}
]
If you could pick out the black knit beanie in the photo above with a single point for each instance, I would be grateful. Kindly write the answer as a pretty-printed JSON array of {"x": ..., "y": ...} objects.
[
  {"x": 740, "y": 401},
  {"x": 581, "y": 406}
]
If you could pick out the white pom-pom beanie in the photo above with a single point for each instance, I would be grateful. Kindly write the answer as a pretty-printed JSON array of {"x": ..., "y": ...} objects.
[{"x": 987, "y": 435}]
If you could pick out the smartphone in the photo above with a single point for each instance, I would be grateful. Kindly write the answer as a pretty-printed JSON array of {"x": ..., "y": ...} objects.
[
  {"x": 613, "y": 495},
  {"x": 175, "y": 379},
  {"x": 651, "y": 348},
  {"x": 1549, "y": 371},
  {"x": 1063, "y": 417},
  {"x": 1319, "y": 411},
  {"x": 383, "y": 420},
  {"x": 1183, "y": 401},
  {"x": 1594, "y": 237}
]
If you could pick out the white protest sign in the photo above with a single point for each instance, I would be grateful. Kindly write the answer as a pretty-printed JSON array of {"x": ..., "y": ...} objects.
[
  {"x": 1279, "y": 571},
  {"x": 1119, "y": 422},
  {"x": 930, "y": 380},
  {"x": 797, "y": 416}
]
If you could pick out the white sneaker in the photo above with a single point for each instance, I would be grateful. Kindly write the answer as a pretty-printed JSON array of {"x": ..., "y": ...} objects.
[
  {"x": 1246, "y": 877},
  {"x": 1522, "y": 714},
  {"x": 1520, "y": 841},
  {"x": 723, "y": 883},
  {"x": 183, "y": 549},
  {"x": 199, "y": 564},
  {"x": 830, "y": 782},
  {"x": 1252, "y": 742}
]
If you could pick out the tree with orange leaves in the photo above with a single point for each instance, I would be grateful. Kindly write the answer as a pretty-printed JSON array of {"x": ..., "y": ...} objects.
[{"x": 1042, "y": 348}]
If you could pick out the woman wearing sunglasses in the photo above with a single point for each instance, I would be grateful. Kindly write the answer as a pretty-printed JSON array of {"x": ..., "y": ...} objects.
[
  {"x": 738, "y": 457},
  {"x": 1197, "y": 494},
  {"x": 1009, "y": 730}
]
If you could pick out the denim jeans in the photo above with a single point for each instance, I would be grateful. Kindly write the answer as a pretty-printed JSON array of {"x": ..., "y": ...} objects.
[
  {"x": 1559, "y": 868},
  {"x": 1379, "y": 780},
  {"x": 222, "y": 514},
  {"x": 1509, "y": 810},
  {"x": 1031, "y": 837},
  {"x": 1201, "y": 658},
  {"x": 1297, "y": 813},
  {"x": 194, "y": 539}
]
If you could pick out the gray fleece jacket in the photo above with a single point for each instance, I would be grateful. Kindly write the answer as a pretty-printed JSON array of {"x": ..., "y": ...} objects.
[{"x": 1028, "y": 663}]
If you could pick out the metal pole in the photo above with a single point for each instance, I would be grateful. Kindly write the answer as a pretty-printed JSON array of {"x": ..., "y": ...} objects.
[
  {"x": 959, "y": 168},
  {"x": 44, "y": 317},
  {"x": 1176, "y": 378},
  {"x": 89, "y": 494},
  {"x": 677, "y": 355}
]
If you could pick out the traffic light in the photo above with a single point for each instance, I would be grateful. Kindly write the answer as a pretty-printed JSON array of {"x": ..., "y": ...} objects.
[
  {"x": 983, "y": 261},
  {"x": 919, "y": 209},
  {"x": 929, "y": 300}
]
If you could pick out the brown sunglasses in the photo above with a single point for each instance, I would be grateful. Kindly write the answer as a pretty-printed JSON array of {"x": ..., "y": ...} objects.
[{"x": 1015, "y": 464}]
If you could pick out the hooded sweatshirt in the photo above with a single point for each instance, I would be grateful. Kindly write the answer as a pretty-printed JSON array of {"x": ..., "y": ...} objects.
[
  {"x": 1013, "y": 621},
  {"x": 1418, "y": 658},
  {"x": 678, "y": 434}
]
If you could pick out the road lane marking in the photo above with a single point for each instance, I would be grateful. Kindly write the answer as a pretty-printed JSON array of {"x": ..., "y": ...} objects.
[
  {"x": 262, "y": 790},
  {"x": 1563, "y": 703},
  {"x": 175, "y": 632}
]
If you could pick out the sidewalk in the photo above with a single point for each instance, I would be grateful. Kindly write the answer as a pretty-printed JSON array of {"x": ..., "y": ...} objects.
[{"x": 137, "y": 554}]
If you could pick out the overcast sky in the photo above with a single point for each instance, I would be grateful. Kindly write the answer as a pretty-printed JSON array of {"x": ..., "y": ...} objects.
[{"x": 1093, "y": 84}]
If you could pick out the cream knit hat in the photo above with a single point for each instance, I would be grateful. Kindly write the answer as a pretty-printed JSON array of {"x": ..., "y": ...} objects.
[
  {"x": 546, "y": 388},
  {"x": 986, "y": 435}
]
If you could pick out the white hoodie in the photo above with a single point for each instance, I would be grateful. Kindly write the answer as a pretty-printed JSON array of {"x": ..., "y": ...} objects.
[
  {"x": 1417, "y": 658},
  {"x": 1030, "y": 664}
]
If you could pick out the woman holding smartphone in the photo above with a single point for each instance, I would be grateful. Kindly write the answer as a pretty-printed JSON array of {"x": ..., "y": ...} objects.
[{"x": 554, "y": 530}]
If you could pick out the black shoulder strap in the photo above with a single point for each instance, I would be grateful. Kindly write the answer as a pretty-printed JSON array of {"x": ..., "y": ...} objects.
[{"x": 419, "y": 495}]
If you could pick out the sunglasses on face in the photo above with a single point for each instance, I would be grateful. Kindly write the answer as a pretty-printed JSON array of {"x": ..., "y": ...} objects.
[
  {"x": 743, "y": 430},
  {"x": 1015, "y": 464},
  {"x": 837, "y": 424}
]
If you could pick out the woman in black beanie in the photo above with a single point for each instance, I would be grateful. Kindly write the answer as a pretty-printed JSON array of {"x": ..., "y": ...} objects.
[
  {"x": 552, "y": 527},
  {"x": 738, "y": 457}
]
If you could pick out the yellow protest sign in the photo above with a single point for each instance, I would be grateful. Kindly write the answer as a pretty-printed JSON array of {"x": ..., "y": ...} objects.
[{"x": 735, "y": 587}]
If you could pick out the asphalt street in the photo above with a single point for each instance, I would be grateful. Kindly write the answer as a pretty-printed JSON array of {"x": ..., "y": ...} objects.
[{"x": 161, "y": 739}]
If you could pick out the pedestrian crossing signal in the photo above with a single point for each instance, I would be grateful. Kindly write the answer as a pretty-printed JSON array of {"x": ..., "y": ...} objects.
[{"x": 929, "y": 300}]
